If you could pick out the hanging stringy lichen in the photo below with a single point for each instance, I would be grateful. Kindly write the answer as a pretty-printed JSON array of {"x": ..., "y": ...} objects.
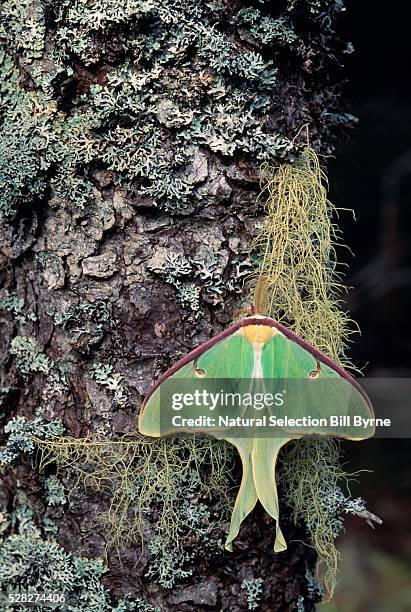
[
  {"x": 298, "y": 284},
  {"x": 310, "y": 475},
  {"x": 298, "y": 265},
  {"x": 144, "y": 479},
  {"x": 316, "y": 489}
]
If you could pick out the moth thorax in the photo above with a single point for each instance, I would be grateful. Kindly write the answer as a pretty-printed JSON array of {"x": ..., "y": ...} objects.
[{"x": 258, "y": 335}]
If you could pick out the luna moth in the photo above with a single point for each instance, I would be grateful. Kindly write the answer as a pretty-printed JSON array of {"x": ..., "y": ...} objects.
[{"x": 258, "y": 348}]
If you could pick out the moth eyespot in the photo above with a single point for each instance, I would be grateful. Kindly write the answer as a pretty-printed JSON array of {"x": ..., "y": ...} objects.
[
  {"x": 315, "y": 373},
  {"x": 199, "y": 372}
]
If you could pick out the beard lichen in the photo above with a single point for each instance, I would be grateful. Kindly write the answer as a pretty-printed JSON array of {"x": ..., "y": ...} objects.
[
  {"x": 310, "y": 475},
  {"x": 298, "y": 263},
  {"x": 298, "y": 283},
  {"x": 147, "y": 484}
]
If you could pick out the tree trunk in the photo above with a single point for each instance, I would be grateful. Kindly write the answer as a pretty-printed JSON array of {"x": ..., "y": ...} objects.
[{"x": 132, "y": 135}]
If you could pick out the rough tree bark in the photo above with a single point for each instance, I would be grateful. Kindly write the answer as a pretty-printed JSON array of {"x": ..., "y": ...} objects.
[{"x": 133, "y": 134}]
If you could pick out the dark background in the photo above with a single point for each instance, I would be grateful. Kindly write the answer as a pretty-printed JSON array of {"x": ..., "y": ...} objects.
[{"x": 371, "y": 173}]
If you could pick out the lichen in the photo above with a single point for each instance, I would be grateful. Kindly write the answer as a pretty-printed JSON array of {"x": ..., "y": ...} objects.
[
  {"x": 21, "y": 435},
  {"x": 32, "y": 561},
  {"x": 125, "y": 115},
  {"x": 126, "y": 122},
  {"x": 298, "y": 267},
  {"x": 86, "y": 323},
  {"x": 168, "y": 484},
  {"x": 316, "y": 490},
  {"x": 300, "y": 604},
  {"x": 16, "y": 306},
  {"x": 140, "y": 92},
  {"x": 54, "y": 491},
  {"x": 266, "y": 29},
  {"x": 5, "y": 390},
  {"x": 168, "y": 564},
  {"x": 57, "y": 383},
  {"x": 114, "y": 382},
  {"x": 253, "y": 588},
  {"x": 29, "y": 358},
  {"x": 26, "y": 133},
  {"x": 298, "y": 283},
  {"x": 199, "y": 280}
]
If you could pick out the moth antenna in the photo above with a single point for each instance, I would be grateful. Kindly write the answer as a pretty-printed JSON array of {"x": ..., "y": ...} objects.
[{"x": 260, "y": 295}]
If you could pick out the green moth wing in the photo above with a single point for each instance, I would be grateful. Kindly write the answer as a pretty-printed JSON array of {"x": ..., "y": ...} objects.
[{"x": 250, "y": 352}]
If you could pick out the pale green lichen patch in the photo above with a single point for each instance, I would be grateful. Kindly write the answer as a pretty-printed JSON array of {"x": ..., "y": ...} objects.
[
  {"x": 85, "y": 323},
  {"x": 200, "y": 280},
  {"x": 21, "y": 434},
  {"x": 32, "y": 561},
  {"x": 182, "y": 484},
  {"x": 126, "y": 116},
  {"x": 254, "y": 590},
  {"x": 114, "y": 382},
  {"x": 54, "y": 491},
  {"x": 29, "y": 358}
]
